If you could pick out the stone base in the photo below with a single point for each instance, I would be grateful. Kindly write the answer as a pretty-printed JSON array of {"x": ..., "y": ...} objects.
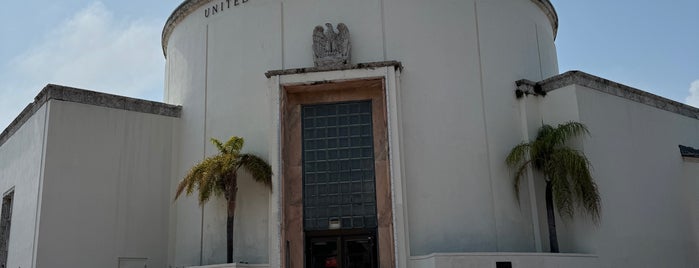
[
  {"x": 233, "y": 265},
  {"x": 518, "y": 260}
]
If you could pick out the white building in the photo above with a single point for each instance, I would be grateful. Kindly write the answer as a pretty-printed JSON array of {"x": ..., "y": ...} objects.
[{"x": 431, "y": 93}]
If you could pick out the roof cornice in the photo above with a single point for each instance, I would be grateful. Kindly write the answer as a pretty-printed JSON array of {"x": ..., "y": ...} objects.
[
  {"x": 76, "y": 95},
  {"x": 550, "y": 11},
  {"x": 189, "y": 6},
  {"x": 606, "y": 86},
  {"x": 182, "y": 11}
]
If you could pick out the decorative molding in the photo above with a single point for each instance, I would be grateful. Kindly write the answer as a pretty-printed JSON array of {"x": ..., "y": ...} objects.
[
  {"x": 70, "y": 94},
  {"x": 550, "y": 11},
  {"x": 605, "y": 86},
  {"x": 189, "y": 6},
  {"x": 178, "y": 15}
]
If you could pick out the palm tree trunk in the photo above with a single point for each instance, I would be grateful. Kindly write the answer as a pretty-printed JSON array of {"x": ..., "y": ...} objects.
[
  {"x": 553, "y": 238},
  {"x": 229, "y": 223}
]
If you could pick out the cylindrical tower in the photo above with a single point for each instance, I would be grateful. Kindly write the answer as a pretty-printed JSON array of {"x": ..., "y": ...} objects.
[{"x": 458, "y": 115}]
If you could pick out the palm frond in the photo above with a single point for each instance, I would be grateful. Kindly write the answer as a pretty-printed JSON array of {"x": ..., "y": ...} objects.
[
  {"x": 258, "y": 168},
  {"x": 574, "y": 168},
  {"x": 519, "y": 158},
  {"x": 213, "y": 171},
  {"x": 518, "y": 154},
  {"x": 567, "y": 169},
  {"x": 215, "y": 175},
  {"x": 586, "y": 193},
  {"x": 562, "y": 193},
  {"x": 219, "y": 145},
  {"x": 234, "y": 145},
  {"x": 191, "y": 180},
  {"x": 544, "y": 132},
  {"x": 202, "y": 177},
  {"x": 566, "y": 131},
  {"x": 220, "y": 186},
  {"x": 518, "y": 176}
]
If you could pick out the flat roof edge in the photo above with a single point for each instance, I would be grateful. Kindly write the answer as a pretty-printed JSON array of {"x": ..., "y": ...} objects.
[
  {"x": 76, "y": 95},
  {"x": 609, "y": 87}
]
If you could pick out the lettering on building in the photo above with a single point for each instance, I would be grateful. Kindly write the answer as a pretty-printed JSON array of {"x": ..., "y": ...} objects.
[{"x": 221, "y": 6}]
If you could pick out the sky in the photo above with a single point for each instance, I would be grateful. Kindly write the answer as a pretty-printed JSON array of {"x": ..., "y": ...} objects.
[{"x": 114, "y": 46}]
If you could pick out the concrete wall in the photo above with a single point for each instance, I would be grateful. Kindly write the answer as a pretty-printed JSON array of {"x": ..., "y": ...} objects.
[
  {"x": 649, "y": 192},
  {"x": 21, "y": 168},
  {"x": 106, "y": 187},
  {"x": 460, "y": 56}
]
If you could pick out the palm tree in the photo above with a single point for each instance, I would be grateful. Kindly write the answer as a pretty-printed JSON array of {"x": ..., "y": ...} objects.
[
  {"x": 566, "y": 172},
  {"x": 218, "y": 176}
]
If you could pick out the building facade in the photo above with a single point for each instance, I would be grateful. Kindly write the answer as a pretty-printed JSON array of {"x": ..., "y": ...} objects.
[{"x": 393, "y": 159}]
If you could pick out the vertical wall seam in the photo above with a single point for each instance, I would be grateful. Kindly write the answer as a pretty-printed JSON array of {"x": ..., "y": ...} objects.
[
  {"x": 530, "y": 173},
  {"x": 538, "y": 50},
  {"x": 37, "y": 218},
  {"x": 383, "y": 29},
  {"x": 485, "y": 124},
  {"x": 282, "y": 32},
  {"x": 206, "y": 102},
  {"x": 536, "y": 229}
]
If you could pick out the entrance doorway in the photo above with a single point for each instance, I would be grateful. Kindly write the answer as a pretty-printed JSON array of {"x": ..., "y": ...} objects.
[
  {"x": 336, "y": 192},
  {"x": 341, "y": 251},
  {"x": 339, "y": 196}
]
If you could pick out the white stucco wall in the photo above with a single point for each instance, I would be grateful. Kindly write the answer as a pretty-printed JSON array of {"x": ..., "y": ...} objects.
[
  {"x": 648, "y": 190},
  {"x": 459, "y": 56},
  {"x": 463, "y": 57},
  {"x": 106, "y": 187},
  {"x": 21, "y": 167},
  {"x": 185, "y": 87}
]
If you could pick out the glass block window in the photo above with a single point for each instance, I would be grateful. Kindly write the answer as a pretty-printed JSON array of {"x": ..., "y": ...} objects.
[{"x": 338, "y": 166}]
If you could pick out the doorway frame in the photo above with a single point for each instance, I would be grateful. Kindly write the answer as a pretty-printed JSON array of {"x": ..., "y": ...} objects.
[{"x": 291, "y": 88}]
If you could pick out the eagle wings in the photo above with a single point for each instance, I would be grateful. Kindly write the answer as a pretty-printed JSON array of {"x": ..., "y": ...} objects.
[{"x": 331, "y": 48}]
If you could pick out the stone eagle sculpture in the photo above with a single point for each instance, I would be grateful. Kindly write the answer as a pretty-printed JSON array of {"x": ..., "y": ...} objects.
[{"x": 331, "y": 48}]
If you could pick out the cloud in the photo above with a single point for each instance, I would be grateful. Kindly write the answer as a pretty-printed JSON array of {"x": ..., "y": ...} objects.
[
  {"x": 693, "y": 98},
  {"x": 92, "y": 49}
]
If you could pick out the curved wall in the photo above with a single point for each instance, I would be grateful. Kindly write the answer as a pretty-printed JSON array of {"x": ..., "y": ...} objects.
[{"x": 458, "y": 117}]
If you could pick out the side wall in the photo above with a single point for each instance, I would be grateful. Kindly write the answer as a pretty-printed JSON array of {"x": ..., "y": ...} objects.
[
  {"x": 691, "y": 178},
  {"x": 21, "y": 167},
  {"x": 648, "y": 190},
  {"x": 106, "y": 188}
]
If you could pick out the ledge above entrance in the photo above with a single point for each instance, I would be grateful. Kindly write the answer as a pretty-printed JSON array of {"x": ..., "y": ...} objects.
[{"x": 370, "y": 65}]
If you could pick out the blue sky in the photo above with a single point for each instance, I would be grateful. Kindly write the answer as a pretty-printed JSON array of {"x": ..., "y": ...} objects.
[
  {"x": 650, "y": 45},
  {"x": 114, "y": 46}
]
